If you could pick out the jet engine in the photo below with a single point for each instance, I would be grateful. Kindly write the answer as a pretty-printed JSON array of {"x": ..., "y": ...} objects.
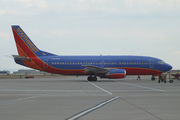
[{"x": 115, "y": 74}]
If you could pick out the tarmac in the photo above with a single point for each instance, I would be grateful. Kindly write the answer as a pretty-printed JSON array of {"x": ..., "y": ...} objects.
[{"x": 74, "y": 98}]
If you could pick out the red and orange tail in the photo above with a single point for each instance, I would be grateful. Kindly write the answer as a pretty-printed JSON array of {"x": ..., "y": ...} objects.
[{"x": 24, "y": 45}]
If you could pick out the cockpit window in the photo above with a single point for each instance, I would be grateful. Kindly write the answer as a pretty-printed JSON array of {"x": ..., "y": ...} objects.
[{"x": 161, "y": 62}]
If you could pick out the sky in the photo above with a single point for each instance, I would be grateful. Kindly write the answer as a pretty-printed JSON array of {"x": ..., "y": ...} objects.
[{"x": 93, "y": 27}]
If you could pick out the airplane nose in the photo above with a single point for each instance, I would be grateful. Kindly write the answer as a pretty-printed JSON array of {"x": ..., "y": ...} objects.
[{"x": 168, "y": 67}]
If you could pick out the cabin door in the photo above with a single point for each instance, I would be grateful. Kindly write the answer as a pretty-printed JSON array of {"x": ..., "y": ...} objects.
[
  {"x": 45, "y": 63},
  {"x": 151, "y": 63}
]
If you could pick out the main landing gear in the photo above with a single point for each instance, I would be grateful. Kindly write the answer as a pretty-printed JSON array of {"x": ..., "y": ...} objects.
[
  {"x": 152, "y": 78},
  {"x": 90, "y": 78}
]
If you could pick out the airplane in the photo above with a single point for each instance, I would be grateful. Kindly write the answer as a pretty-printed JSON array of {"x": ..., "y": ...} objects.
[{"x": 111, "y": 67}]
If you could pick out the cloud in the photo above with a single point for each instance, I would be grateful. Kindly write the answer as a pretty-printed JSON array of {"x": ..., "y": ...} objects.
[
  {"x": 12, "y": 12},
  {"x": 3, "y": 12},
  {"x": 155, "y": 3},
  {"x": 151, "y": 6},
  {"x": 57, "y": 33},
  {"x": 138, "y": 35},
  {"x": 12, "y": 8},
  {"x": 4, "y": 36},
  {"x": 81, "y": 1},
  {"x": 29, "y": 3},
  {"x": 100, "y": 1},
  {"x": 149, "y": 35},
  {"x": 176, "y": 53},
  {"x": 129, "y": 3}
]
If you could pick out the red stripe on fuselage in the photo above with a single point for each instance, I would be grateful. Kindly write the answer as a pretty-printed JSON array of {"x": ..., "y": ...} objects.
[{"x": 140, "y": 71}]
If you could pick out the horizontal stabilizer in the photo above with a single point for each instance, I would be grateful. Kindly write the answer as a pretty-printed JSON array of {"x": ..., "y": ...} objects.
[{"x": 17, "y": 57}]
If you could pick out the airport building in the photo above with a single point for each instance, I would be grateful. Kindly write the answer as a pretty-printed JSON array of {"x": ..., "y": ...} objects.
[
  {"x": 28, "y": 71},
  {"x": 4, "y": 72}
]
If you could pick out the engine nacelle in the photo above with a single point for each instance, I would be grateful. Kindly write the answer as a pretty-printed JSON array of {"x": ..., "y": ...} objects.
[{"x": 115, "y": 74}]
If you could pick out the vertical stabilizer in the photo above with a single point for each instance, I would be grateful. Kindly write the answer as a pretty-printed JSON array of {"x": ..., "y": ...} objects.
[{"x": 24, "y": 44}]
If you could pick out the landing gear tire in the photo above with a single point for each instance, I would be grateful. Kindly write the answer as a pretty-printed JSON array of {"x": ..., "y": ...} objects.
[
  {"x": 89, "y": 78},
  {"x": 171, "y": 81},
  {"x": 152, "y": 78},
  {"x": 92, "y": 78}
]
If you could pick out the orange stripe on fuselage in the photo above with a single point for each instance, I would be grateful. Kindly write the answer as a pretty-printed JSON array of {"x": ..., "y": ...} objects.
[{"x": 30, "y": 64}]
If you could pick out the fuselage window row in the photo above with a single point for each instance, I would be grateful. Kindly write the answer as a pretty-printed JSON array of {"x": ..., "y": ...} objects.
[
  {"x": 95, "y": 63},
  {"x": 133, "y": 63}
]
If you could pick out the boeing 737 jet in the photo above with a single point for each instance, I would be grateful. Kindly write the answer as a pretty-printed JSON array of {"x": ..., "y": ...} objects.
[{"x": 112, "y": 67}]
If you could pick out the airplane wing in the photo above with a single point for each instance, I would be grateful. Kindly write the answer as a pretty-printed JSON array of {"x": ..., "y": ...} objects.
[
  {"x": 17, "y": 57},
  {"x": 95, "y": 70}
]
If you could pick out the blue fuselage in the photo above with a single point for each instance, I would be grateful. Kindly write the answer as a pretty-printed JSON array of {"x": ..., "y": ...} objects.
[{"x": 134, "y": 65}]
